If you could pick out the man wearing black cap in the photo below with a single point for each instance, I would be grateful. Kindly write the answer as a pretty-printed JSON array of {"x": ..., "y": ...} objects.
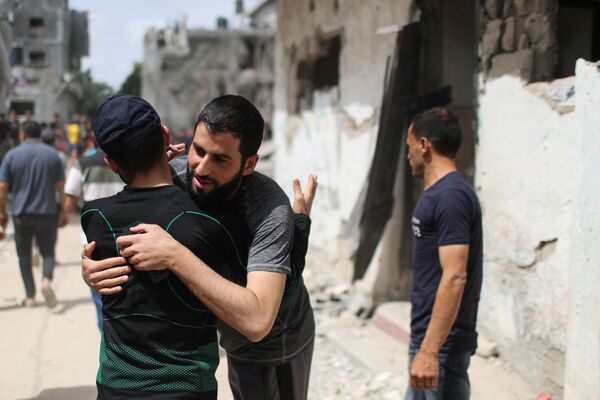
[
  {"x": 159, "y": 340},
  {"x": 266, "y": 320}
]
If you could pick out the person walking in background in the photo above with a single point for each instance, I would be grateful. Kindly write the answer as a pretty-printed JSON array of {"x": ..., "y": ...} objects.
[
  {"x": 90, "y": 179},
  {"x": 33, "y": 174},
  {"x": 74, "y": 139},
  {"x": 446, "y": 262}
]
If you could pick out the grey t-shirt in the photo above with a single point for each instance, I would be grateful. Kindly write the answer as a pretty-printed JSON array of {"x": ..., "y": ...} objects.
[
  {"x": 32, "y": 170},
  {"x": 270, "y": 221}
]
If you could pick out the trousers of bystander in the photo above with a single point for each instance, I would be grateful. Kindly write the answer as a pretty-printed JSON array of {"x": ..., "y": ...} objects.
[{"x": 44, "y": 229}]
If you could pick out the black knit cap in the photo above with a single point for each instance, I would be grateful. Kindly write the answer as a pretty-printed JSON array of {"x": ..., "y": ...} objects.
[{"x": 123, "y": 121}]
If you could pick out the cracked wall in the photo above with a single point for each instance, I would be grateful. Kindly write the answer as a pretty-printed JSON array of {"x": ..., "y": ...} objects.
[
  {"x": 326, "y": 123},
  {"x": 524, "y": 178}
]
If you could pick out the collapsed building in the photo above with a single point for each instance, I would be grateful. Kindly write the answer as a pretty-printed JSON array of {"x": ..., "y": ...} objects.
[
  {"x": 48, "y": 42},
  {"x": 5, "y": 44},
  {"x": 349, "y": 77},
  {"x": 184, "y": 69}
]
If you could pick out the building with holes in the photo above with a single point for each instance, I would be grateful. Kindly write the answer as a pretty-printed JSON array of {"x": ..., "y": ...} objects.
[
  {"x": 48, "y": 42},
  {"x": 521, "y": 77}
]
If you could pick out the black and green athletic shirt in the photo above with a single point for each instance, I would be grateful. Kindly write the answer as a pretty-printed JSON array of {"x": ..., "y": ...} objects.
[{"x": 159, "y": 340}]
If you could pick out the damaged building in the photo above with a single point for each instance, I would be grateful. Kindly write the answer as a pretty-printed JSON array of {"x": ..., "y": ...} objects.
[
  {"x": 48, "y": 42},
  {"x": 185, "y": 68},
  {"x": 520, "y": 76}
]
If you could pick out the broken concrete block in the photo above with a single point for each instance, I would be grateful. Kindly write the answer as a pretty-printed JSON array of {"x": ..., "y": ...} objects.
[
  {"x": 519, "y": 63},
  {"x": 491, "y": 37},
  {"x": 486, "y": 348},
  {"x": 491, "y": 7},
  {"x": 508, "y": 38}
]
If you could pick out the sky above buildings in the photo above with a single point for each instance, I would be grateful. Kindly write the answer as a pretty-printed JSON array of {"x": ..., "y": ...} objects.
[{"x": 117, "y": 27}]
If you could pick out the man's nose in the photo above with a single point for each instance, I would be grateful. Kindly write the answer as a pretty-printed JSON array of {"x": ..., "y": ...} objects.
[{"x": 203, "y": 167}]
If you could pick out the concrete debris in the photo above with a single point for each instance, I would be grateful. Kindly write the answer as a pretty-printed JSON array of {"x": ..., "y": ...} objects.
[{"x": 486, "y": 348}]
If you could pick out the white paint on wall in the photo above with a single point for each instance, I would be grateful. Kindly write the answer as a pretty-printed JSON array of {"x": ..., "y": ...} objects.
[
  {"x": 526, "y": 164},
  {"x": 582, "y": 372}
]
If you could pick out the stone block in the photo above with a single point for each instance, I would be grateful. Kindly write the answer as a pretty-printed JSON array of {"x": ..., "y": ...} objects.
[
  {"x": 541, "y": 30},
  {"x": 523, "y": 42},
  {"x": 506, "y": 8},
  {"x": 523, "y": 7},
  {"x": 491, "y": 7},
  {"x": 508, "y": 37},
  {"x": 491, "y": 37},
  {"x": 519, "y": 63}
]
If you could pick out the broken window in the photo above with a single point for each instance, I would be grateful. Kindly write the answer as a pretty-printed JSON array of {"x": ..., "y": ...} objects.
[
  {"x": 578, "y": 34},
  {"x": 326, "y": 72},
  {"x": 23, "y": 107},
  {"x": 36, "y": 27},
  {"x": 319, "y": 72},
  {"x": 37, "y": 59}
]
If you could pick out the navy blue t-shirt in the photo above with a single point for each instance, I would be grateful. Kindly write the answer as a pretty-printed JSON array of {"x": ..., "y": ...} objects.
[{"x": 446, "y": 213}]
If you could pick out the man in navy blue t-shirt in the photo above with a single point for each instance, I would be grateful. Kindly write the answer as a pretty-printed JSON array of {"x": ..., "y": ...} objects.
[{"x": 446, "y": 262}]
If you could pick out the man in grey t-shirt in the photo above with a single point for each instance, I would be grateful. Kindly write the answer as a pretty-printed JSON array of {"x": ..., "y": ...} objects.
[
  {"x": 33, "y": 174},
  {"x": 267, "y": 323}
]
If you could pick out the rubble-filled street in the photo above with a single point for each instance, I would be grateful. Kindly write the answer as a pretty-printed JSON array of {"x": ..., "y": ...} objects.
[{"x": 52, "y": 354}]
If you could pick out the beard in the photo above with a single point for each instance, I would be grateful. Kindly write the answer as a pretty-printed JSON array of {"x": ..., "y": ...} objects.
[{"x": 220, "y": 193}]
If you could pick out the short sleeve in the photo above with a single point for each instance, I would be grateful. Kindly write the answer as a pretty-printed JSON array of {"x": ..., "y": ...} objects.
[
  {"x": 4, "y": 170},
  {"x": 272, "y": 241},
  {"x": 453, "y": 214},
  {"x": 74, "y": 183}
]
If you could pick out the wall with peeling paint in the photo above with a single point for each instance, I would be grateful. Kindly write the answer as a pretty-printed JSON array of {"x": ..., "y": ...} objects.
[
  {"x": 335, "y": 136},
  {"x": 582, "y": 375},
  {"x": 524, "y": 177}
]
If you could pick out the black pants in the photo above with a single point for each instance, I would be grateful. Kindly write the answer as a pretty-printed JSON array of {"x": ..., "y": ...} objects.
[
  {"x": 288, "y": 381},
  {"x": 44, "y": 229}
]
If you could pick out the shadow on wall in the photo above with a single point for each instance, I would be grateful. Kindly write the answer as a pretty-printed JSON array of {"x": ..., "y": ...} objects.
[{"x": 72, "y": 393}]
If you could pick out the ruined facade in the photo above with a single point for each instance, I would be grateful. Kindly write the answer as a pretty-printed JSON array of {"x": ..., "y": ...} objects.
[
  {"x": 507, "y": 70},
  {"x": 48, "y": 42},
  {"x": 5, "y": 44},
  {"x": 185, "y": 68}
]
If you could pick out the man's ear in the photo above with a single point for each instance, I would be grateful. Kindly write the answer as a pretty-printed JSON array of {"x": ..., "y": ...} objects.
[
  {"x": 424, "y": 145},
  {"x": 166, "y": 135},
  {"x": 111, "y": 164},
  {"x": 250, "y": 164}
]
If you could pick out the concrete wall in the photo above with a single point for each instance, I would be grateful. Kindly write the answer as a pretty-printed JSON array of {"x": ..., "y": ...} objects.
[
  {"x": 524, "y": 177},
  {"x": 332, "y": 131},
  {"x": 582, "y": 375}
]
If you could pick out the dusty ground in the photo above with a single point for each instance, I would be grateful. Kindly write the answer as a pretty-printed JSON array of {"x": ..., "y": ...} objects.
[{"x": 52, "y": 354}]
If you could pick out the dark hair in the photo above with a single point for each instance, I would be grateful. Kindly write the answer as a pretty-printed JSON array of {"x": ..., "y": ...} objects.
[
  {"x": 236, "y": 115},
  {"x": 32, "y": 129},
  {"x": 441, "y": 128},
  {"x": 142, "y": 155}
]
